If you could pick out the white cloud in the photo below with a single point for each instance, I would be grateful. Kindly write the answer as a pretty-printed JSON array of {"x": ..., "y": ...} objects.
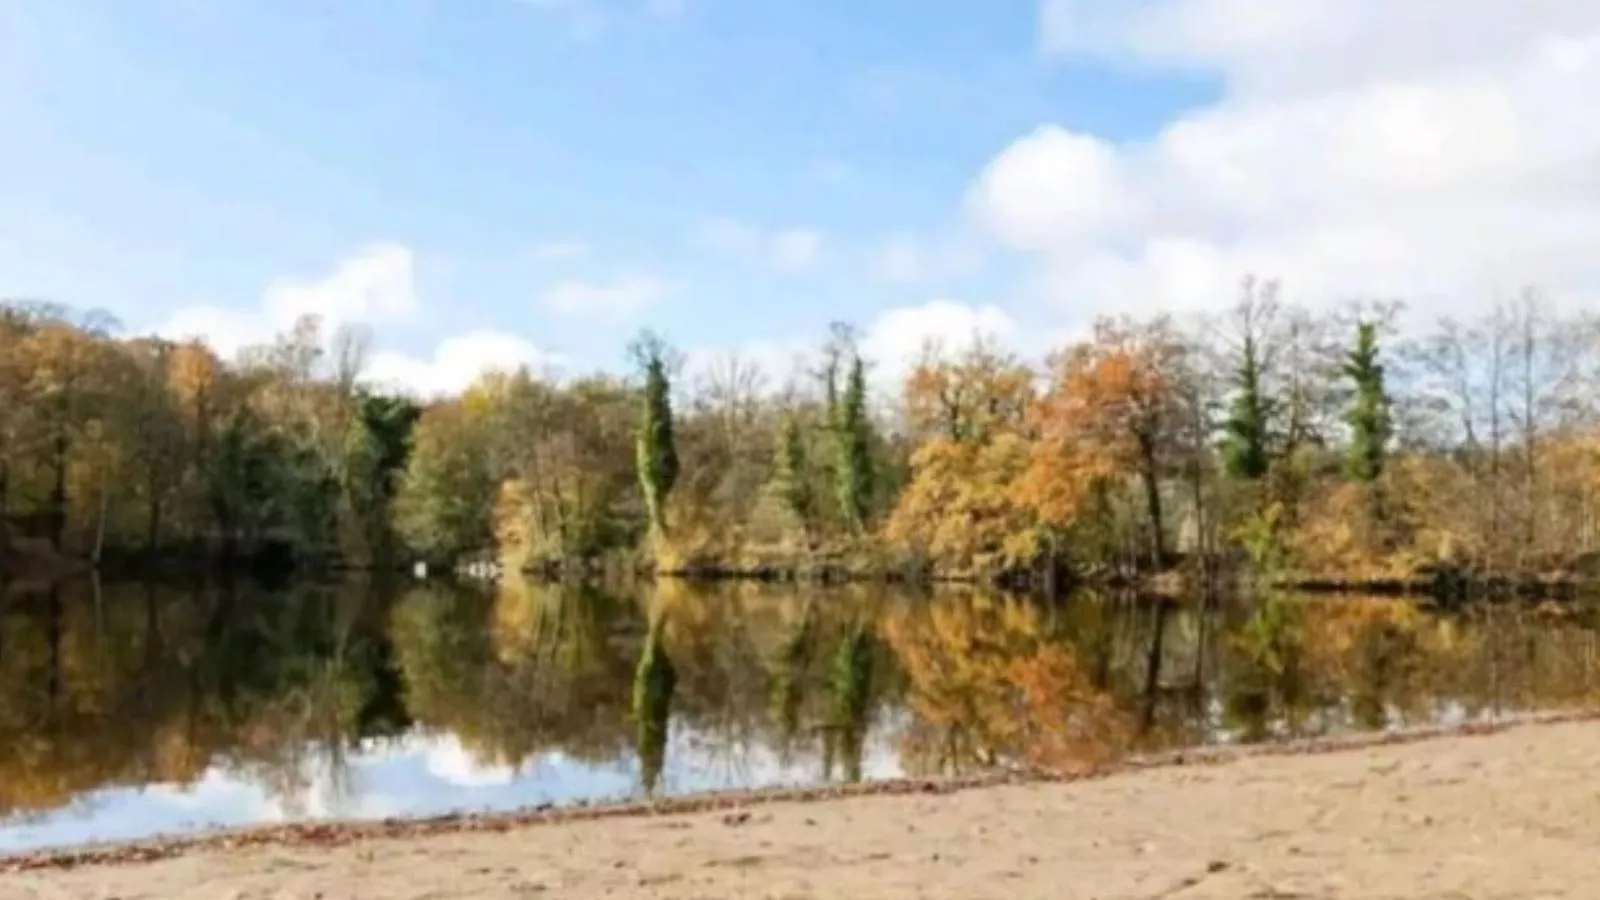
[
  {"x": 373, "y": 286},
  {"x": 450, "y": 762},
  {"x": 890, "y": 344},
  {"x": 455, "y": 363},
  {"x": 226, "y": 330},
  {"x": 1050, "y": 187},
  {"x": 1437, "y": 152},
  {"x": 615, "y": 301},
  {"x": 778, "y": 362},
  {"x": 376, "y": 284},
  {"x": 894, "y": 341},
  {"x": 781, "y": 249},
  {"x": 1312, "y": 45}
]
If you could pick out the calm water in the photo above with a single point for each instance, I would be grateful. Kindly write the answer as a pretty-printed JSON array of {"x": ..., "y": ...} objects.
[{"x": 135, "y": 709}]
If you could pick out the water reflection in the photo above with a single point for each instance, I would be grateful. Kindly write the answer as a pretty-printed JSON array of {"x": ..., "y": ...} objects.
[{"x": 133, "y": 709}]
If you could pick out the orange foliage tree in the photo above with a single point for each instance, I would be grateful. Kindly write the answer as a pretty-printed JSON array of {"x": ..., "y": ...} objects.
[{"x": 1111, "y": 413}]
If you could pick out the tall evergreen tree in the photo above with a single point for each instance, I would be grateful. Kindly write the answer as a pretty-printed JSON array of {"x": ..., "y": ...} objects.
[
  {"x": 655, "y": 448},
  {"x": 1369, "y": 415},
  {"x": 853, "y": 443},
  {"x": 789, "y": 471},
  {"x": 1244, "y": 446}
]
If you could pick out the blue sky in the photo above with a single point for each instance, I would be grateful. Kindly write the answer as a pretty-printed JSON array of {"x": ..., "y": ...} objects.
[
  {"x": 419, "y": 775},
  {"x": 540, "y": 178},
  {"x": 171, "y": 153}
]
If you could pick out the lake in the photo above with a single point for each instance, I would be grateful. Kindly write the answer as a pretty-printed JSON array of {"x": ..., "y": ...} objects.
[{"x": 131, "y": 710}]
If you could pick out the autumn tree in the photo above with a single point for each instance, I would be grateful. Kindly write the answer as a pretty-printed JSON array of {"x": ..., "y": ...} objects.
[
  {"x": 158, "y": 442},
  {"x": 1112, "y": 412},
  {"x": 198, "y": 384},
  {"x": 69, "y": 388},
  {"x": 958, "y": 506},
  {"x": 725, "y": 435},
  {"x": 445, "y": 500},
  {"x": 567, "y": 479},
  {"x": 967, "y": 397}
]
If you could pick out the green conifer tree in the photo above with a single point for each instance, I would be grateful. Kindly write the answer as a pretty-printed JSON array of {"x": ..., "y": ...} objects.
[
  {"x": 655, "y": 448},
  {"x": 1244, "y": 447},
  {"x": 1369, "y": 415},
  {"x": 789, "y": 471},
  {"x": 852, "y": 432}
]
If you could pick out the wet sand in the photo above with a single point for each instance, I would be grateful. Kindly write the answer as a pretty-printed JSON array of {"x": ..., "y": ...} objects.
[{"x": 1514, "y": 814}]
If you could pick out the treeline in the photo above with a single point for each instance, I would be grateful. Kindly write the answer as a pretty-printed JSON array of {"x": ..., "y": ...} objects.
[
  {"x": 149, "y": 450},
  {"x": 1326, "y": 444}
]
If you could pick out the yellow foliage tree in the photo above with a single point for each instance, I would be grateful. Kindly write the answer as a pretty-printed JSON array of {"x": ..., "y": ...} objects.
[
  {"x": 958, "y": 506},
  {"x": 960, "y": 509}
]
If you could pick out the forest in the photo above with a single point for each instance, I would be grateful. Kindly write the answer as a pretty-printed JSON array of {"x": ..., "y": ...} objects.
[{"x": 1346, "y": 444}]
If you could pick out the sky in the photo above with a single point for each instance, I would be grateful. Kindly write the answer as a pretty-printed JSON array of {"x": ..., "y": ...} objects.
[
  {"x": 485, "y": 183},
  {"x": 417, "y": 775}
]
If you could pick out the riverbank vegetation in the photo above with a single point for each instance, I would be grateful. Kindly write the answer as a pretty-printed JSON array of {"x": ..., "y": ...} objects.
[{"x": 1333, "y": 446}]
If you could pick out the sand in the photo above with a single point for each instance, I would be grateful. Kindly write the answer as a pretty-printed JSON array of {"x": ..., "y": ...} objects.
[{"x": 1510, "y": 815}]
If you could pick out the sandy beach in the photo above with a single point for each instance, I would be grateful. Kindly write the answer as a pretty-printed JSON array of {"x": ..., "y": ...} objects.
[{"x": 1515, "y": 814}]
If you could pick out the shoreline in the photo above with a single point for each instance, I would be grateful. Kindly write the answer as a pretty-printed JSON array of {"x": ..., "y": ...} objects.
[
  {"x": 1175, "y": 581},
  {"x": 331, "y": 834}
]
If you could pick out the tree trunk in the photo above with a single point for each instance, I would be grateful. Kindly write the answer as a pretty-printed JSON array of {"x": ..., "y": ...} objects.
[
  {"x": 1152, "y": 669},
  {"x": 1530, "y": 498},
  {"x": 58, "y": 495},
  {"x": 152, "y": 533},
  {"x": 5, "y": 521},
  {"x": 55, "y": 631},
  {"x": 1152, "y": 499},
  {"x": 1496, "y": 373},
  {"x": 100, "y": 526}
]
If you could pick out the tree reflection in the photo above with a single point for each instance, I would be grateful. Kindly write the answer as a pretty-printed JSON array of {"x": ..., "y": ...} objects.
[
  {"x": 523, "y": 671},
  {"x": 133, "y": 684},
  {"x": 654, "y": 682},
  {"x": 789, "y": 671},
  {"x": 990, "y": 685},
  {"x": 852, "y": 688}
]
